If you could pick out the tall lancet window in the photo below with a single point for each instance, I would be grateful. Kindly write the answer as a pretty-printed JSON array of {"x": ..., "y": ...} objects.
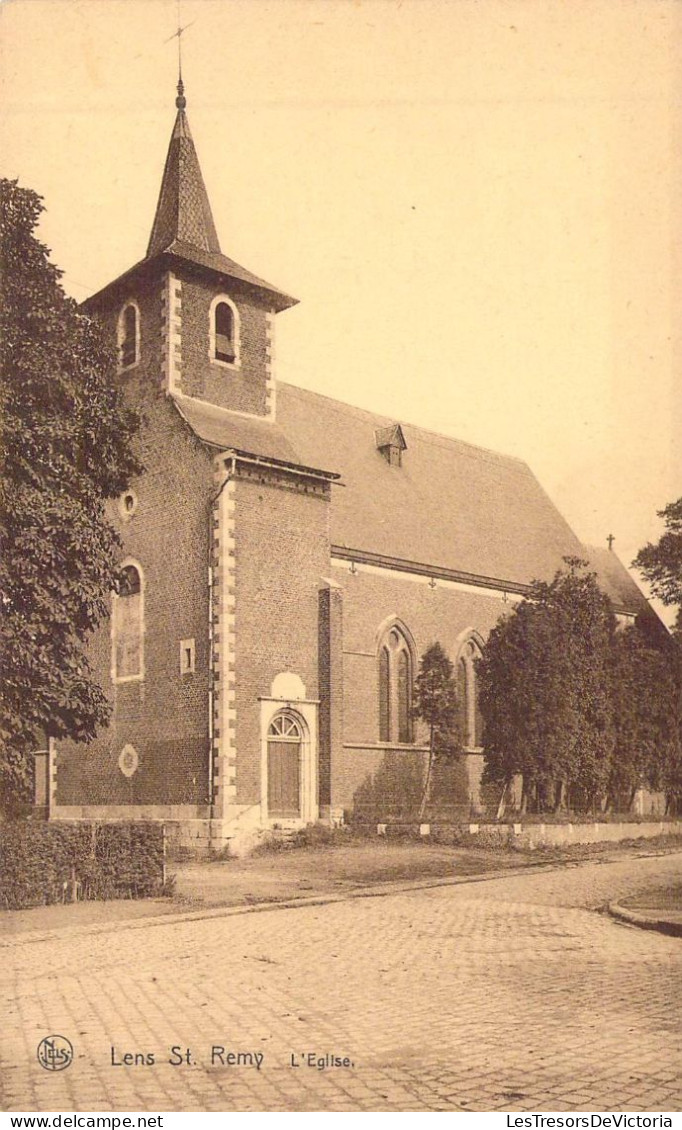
[
  {"x": 395, "y": 687},
  {"x": 384, "y": 695},
  {"x": 471, "y": 722},
  {"x": 129, "y": 335},
  {"x": 127, "y": 626},
  {"x": 224, "y": 331}
]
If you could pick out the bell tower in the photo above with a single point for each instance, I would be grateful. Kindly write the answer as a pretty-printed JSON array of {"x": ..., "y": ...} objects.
[{"x": 209, "y": 320}]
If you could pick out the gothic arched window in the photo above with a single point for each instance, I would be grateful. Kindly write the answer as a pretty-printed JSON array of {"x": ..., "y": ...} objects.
[
  {"x": 395, "y": 672},
  {"x": 224, "y": 330},
  {"x": 127, "y": 627},
  {"x": 129, "y": 335},
  {"x": 471, "y": 722}
]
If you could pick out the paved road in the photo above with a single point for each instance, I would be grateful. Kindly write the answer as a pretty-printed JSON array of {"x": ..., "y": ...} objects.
[{"x": 511, "y": 994}]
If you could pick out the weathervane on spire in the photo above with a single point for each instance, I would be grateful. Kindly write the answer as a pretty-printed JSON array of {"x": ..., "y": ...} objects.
[{"x": 180, "y": 101}]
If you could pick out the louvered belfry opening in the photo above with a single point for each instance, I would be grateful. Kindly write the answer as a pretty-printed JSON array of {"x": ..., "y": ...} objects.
[{"x": 224, "y": 333}]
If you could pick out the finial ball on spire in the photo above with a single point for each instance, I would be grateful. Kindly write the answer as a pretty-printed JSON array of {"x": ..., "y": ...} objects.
[{"x": 181, "y": 101}]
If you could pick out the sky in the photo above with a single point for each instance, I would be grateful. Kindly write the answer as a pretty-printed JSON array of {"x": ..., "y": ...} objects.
[{"x": 477, "y": 203}]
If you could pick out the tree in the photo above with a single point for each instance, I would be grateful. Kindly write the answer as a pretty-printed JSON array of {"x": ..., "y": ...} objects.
[
  {"x": 671, "y": 764},
  {"x": 545, "y": 692},
  {"x": 661, "y": 564},
  {"x": 66, "y": 443},
  {"x": 647, "y": 714},
  {"x": 435, "y": 702}
]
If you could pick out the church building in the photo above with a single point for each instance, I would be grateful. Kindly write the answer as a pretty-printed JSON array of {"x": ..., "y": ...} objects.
[{"x": 286, "y": 560}]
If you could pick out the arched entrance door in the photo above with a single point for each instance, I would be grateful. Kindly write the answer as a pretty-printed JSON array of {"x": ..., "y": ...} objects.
[{"x": 285, "y": 740}]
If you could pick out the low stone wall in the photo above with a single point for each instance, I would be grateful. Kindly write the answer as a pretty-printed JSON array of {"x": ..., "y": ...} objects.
[
  {"x": 555, "y": 835},
  {"x": 532, "y": 836},
  {"x": 187, "y": 826}
]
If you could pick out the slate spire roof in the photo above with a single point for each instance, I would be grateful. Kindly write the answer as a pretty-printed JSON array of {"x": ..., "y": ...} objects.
[
  {"x": 183, "y": 212},
  {"x": 183, "y": 232}
]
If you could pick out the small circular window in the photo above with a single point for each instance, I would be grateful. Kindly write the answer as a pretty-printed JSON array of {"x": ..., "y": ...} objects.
[{"x": 127, "y": 504}]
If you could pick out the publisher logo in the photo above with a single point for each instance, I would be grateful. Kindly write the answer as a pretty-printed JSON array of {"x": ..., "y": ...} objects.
[{"x": 55, "y": 1053}]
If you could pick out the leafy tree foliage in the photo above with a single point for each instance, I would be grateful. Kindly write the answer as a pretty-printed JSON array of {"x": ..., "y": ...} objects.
[
  {"x": 670, "y": 769},
  {"x": 545, "y": 692},
  {"x": 648, "y": 713},
  {"x": 435, "y": 702},
  {"x": 66, "y": 442},
  {"x": 661, "y": 563}
]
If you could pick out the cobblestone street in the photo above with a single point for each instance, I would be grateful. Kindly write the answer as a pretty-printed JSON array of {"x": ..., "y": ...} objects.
[{"x": 508, "y": 994}]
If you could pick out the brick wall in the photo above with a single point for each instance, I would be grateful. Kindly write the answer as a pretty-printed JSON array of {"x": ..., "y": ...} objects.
[
  {"x": 148, "y": 294},
  {"x": 164, "y": 716},
  {"x": 281, "y": 554},
  {"x": 243, "y": 389},
  {"x": 441, "y": 614}
]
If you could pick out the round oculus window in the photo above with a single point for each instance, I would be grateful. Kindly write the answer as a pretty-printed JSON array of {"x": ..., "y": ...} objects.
[{"x": 127, "y": 504}]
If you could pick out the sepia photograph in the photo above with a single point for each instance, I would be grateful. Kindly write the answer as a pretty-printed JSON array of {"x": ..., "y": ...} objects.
[{"x": 341, "y": 559}]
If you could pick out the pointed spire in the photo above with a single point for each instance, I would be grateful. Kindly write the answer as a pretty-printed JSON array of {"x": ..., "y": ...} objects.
[{"x": 183, "y": 212}]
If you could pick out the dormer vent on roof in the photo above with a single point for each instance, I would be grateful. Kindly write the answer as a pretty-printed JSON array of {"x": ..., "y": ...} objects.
[{"x": 391, "y": 443}]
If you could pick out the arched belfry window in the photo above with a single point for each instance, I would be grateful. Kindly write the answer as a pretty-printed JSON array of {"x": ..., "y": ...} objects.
[
  {"x": 127, "y": 625},
  {"x": 471, "y": 722},
  {"x": 224, "y": 331},
  {"x": 395, "y": 673},
  {"x": 129, "y": 335}
]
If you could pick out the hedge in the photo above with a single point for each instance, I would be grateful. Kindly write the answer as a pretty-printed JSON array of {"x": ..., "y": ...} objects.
[{"x": 47, "y": 863}]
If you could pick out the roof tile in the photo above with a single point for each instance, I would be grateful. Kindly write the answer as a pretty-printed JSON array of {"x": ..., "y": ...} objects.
[
  {"x": 232, "y": 431},
  {"x": 183, "y": 211},
  {"x": 450, "y": 504}
]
